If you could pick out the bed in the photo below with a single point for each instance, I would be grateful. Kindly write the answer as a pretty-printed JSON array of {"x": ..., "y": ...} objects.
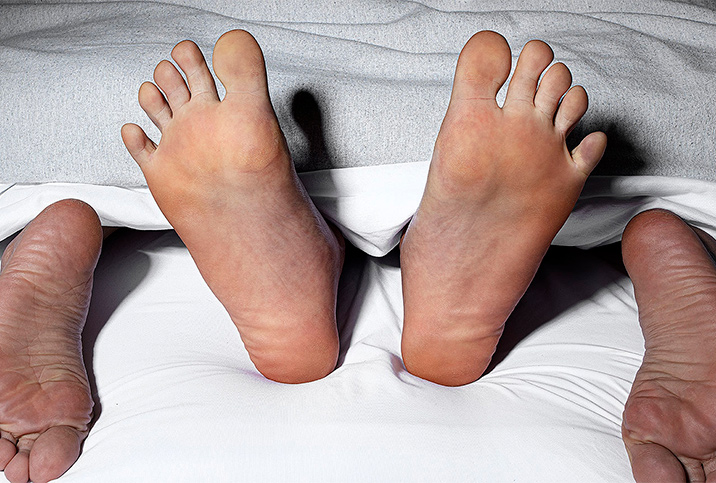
[{"x": 360, "y": 89}]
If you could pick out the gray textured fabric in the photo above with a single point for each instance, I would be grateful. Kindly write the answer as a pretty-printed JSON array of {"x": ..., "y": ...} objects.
[{"x": 354, "y": 82}]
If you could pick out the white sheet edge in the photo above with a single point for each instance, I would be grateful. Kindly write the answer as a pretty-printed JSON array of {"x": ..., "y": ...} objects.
[{"x": 371, "y": 205}]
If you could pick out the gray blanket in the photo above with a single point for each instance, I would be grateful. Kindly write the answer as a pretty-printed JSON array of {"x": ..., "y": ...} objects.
[{"x": 355, "y": 82}]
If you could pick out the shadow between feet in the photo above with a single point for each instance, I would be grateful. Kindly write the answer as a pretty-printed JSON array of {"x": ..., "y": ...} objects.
[{"x": 351, "y": 295}]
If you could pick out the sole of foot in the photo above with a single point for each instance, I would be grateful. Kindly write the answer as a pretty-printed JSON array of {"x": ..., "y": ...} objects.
[
  {"x": 45, "y": 289},
  {"x": 501, "y": 184},
  {"x": 222, "y": 175},
  {"x": 669, "y": 421}
]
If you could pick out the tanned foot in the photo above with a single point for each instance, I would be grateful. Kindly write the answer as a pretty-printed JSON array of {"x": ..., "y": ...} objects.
[
  {"x": 669, "y": 423},
  {"x": 45, "y": 288},
  {"x": 501, "y": 184},
  {"x": 222, "y": 175}
]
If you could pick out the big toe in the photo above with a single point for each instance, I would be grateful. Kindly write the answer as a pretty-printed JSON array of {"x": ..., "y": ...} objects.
[
  {"x": 54, "y": 452},
  {"x": 483, "y": 67},
  {"x": 652, "y": 462},
  {"x": 239, "y": 63}
]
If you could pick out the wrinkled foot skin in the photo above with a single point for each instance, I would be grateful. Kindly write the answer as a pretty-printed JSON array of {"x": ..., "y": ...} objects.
[
  {"x": 669, "y": 422},
  {"x": 501, "y": 184},
  {"x": 223, "y": 177},
  {"x": 45, "y": 288}
]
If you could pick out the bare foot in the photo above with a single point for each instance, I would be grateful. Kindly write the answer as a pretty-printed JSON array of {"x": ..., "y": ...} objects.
[
  {"x": 501, "y": 184},
  {"x": 223, "y": 176},
  {"x": 45, "y": 288},
  {"x": 669, "y": 423}
]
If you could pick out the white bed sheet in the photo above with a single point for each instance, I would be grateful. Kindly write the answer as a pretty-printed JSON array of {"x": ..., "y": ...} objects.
[{"x": 180, "y": 400}]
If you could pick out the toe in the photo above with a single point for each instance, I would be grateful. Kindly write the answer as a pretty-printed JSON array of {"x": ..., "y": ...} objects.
[
  {"x": 554, "y": 84},
  {"x": 652, "y": 462},
  {"x": 239, "y": 63},
  {"x": 482, "y": 68},
  {"x": 18, "y": 469},
  {"x": 587, "y": 155},
  {"x": 172, "y": 83},
  {"x": 570, "y": 111},
  {"x": 710, "y": 470},
  {"x": 694, "y": 469},
  {"x": 533, "y": 60},
  {"x": 154, "y": 104},
  {"x": 54, "y": 452},
  {"x": 191, "y": 61},
  {"x": 140, "y": 147},
  {"x": 7, "y": 449}
]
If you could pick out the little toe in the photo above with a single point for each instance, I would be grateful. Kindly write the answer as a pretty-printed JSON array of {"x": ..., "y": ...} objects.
[
  {"x": 554, "y": 84},
  {"x": 154, "y": 104},
  {"x": 239, "y": 63},
  {"x": 572, "y": 108},
  {"x": 533, "y": 60},
  {"x": 53, "y": 453},
  {"x": 172, "y": 83},
  {"x": 589, "y": 152},
  {"x": 140, "y": 147},
  {"x": 189, "y": 57},
  {"x": 482, "y": 68}
]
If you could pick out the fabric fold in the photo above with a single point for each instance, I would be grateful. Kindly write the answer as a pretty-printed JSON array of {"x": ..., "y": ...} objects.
[{"x": 371, "y": 205}]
